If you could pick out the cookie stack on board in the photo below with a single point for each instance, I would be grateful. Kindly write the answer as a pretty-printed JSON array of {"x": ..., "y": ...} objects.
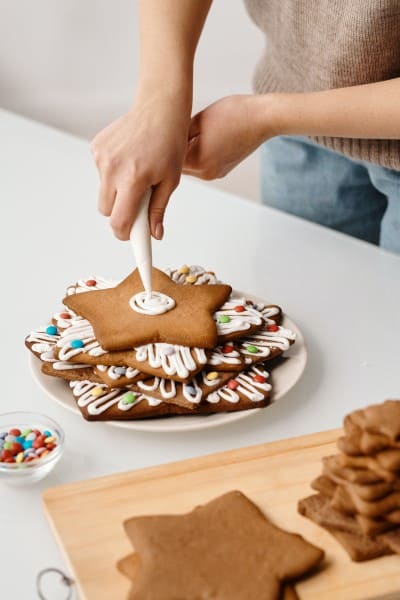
[
  {"x": 207, "y": 355},
  {"x": 358, "y": 498}
]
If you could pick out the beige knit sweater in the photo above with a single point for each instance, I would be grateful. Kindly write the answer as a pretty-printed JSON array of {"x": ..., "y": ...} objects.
[{"x": 322, "y": 44}]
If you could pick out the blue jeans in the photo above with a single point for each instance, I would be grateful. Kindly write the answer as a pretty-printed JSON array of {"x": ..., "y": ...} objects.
[{"x": 312, "y": 182}]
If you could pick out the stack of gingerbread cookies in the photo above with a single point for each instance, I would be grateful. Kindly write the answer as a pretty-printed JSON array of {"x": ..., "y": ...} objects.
[
  {"x": 208, "y": 354},
  {"x": 358, "y": 499}
]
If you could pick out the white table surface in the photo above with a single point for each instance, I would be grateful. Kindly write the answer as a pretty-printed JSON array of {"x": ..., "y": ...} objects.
[{"x": 344, "y": 294}]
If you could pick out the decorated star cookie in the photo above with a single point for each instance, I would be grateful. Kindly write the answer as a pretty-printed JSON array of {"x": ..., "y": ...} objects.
[
  {"x": 268, "y": 342},
  {"x": 99, "y": 402},
  {"x": 192, "y": 275},
  {"x": 118, "y": 376},
  {"x": 188, "y": 395},
  {"x": 42, "y": 343},
  {"x": 79, "y": 344},
  {"x": 226, "y": 357},
  {"x": 237, "y": 317},
  {"x": 229, "y": 550},
  {"x": 119, "y": 327},
  {"x": 69, "y": 372}
]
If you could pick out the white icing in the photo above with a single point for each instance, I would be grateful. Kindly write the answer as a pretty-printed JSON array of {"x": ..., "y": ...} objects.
[
  {"x": 180, "y": 362},
  {"x": 97, "y": 405},
  {"x": 61, "y": 365},
  {"x": 166, "y": 387},
  {"x": 192, "y": 392},
  {"x": 152, "y": 304},
  {"x": 113, "y": 373},
  {"x": 203, "y": 277},
  {"x": 173, "y": 359},
  {"x": 43, "y": 344},
  {"x": 81, "y": 285},
  {"x": 80, "y": 329},
  {"x": 62, "y": 322},
  {"x": 238, "y": 321},
  {"x": 247, "y": 387},
  {"x": 228, "y": 358},
  {"x": 264, "y": 340}
]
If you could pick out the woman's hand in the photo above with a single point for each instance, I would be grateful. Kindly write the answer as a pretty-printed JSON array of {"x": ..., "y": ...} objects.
[
  {"x": 144, "y": 148},
  {"x": 224, "y": 133}
]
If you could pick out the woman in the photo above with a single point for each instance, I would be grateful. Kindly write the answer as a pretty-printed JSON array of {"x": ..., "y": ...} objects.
[{"x": 329, "y": 72}]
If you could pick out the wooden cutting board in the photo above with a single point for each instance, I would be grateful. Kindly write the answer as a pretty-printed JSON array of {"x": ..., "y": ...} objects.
[{"x": 87, "y": 516}]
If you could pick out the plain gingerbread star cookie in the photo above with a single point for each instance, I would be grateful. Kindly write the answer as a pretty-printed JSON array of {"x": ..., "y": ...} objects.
[
  {"x": 223, "y": 550},
  {"x": 118, "y": 327}
]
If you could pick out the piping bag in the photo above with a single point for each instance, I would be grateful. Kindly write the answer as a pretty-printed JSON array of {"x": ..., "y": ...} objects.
[{"x": 140, "y": 239}]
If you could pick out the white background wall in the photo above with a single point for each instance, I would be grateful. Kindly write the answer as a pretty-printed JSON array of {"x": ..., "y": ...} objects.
[{"x": 73, "y": 64}]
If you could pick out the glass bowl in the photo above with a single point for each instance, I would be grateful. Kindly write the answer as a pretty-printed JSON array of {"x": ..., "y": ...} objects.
[{"x": 29, "y": 472}]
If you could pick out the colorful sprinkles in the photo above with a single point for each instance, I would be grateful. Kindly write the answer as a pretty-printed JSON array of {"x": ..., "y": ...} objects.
[{"x": 24, "y": 446}]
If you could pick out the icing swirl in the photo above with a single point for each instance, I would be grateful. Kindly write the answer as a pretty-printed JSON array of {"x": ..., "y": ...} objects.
[{"x": 152, "y": 304}]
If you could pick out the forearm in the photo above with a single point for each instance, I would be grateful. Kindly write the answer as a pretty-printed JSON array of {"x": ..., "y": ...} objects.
[
  {"x": 367, "y": 111},
  {"x": 169, "y": 33}
]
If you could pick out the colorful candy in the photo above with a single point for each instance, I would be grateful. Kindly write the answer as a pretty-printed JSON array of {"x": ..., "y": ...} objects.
[
  {"x": 18, "y": 446},
  {"x": 259, "y": 378},
  {"x": 212, "y": 376},
  {"x": 224, "y": 319},
  {"x": 191, "y": 279},
  {"x": 239, "y": 308},
  {"x": 227, "y": 349},
  {"x": 273, "y": 327},
  {"x": 128, "y": 398},
  {"x": 252, "y": 349},
  {"x": 97, "y": 391},
  {"x": 91, "y": 282},
  {"x": 232, "y": 384},
  {"x": 77, "y": 344},
  {"x": 51, "y": 330},
  {"x": 65, "y": 315}
]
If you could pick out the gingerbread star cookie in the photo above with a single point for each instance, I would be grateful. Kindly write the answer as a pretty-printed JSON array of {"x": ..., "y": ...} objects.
[
  {"x": 118, "y": 327},
  {"x": 224, "y": 549}
]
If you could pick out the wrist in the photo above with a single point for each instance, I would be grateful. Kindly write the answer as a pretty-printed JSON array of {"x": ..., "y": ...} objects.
[
  {"x": 276, "y": 113},
  {"x": 172, "y": 93},
  {"x": 269, "y": 115}
]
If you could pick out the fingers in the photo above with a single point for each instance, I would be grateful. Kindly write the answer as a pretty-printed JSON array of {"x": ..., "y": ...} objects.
[
  {"x": 107, "y": 195},
  {"x": 158, "y": 204},
  {"x": 125, "y": 209},
  {"x": 191, "y": 164}
]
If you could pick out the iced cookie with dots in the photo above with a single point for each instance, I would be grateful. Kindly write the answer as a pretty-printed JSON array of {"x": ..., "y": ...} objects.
[
  {"x": 192, "y": 275},
  {"x": 226, "y": 357},
  {"x": 180, "y": 363},
  {"x": 267, "y": 343},
  {"x": 189, "y": 395},
  {"x": 70, "y": 372},
  {"x": 42, "y": 343},
  {"x": 118, "y": 376},
  {"x": 99, "y": 402},
  {"x": 90, "y": 284},
  {"x": 237, "y": 317}
]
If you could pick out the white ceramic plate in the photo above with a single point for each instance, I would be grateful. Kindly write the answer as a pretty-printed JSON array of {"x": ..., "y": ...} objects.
[{"x": 284, "y": 377}]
